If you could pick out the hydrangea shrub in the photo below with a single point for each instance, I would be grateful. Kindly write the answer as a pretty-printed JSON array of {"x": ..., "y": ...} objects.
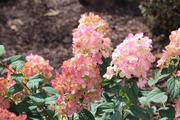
[{"x": 97, "y": 83}]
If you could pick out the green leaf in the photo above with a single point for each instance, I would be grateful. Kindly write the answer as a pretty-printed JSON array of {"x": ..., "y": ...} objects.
[
  {"x": 51, "y": 100},
  {"x": 105, "y": 116},
  {"x": 117, "y": 116},
  {"x": 2, "y": 50},
  {"x": 17, "y": 77},
  {"x": 173, "y": 85},
  {"x": 156, "y": 95},
  {"x": 158, "y": 77},
  {"x": 35, "y": 81},
  {"x": 102, "y": 109},
  {"x": 50, "y": 90},
  {"x": 15, "y": 58},
  {"x": 52, "y": 115},
  {"x": 86, "y": 115},
  {"x": 144, "y": 101},
  {"x": 107, "y": 83},
  {"x": 103, "y": 67},
  {"x": 172, "y": 67},
  {"x": 152, "y": 110},
  {"x": 164, "y": 118},
  {"x": 37, "y": 100},
  {"x": 21, "y": 107},
  {"x": 139, "y": 112},
  {"x": 114, "y": 89},
  {"x": 14, "y": 89},
  {"x": 132, "y": 91},
  {"x": 169, "y": 113},
  {"x": 130, "y": 117},
  {"x": 1, "y": 67},
  {"x": 16, "y": 61},
  {"x": 32, "y": 107},
  {"x": 17, "y": 65}
]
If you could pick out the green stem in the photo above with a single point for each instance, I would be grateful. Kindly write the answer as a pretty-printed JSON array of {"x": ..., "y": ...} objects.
[{"x": 73, "y": 117}]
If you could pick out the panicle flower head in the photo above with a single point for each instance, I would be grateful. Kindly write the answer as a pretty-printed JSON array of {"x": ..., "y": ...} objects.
[
  {"x": 178, "y": 73},
  {"x": 3, "y": 87},
  {"x": 87, "y": 41},
  {"x": 178, "y": 108},
  {"x": 132, "y": 58},
  {"x": 96, "y": 22},
  {"x": 172, "y": 50},
  {"x": 78, "y": 85},
  {"x": 5, "y": 84},
  {"x": 4, "y": 103},
  {"x": 36, "y": 64},
  {"x": 6, "y": 115}
]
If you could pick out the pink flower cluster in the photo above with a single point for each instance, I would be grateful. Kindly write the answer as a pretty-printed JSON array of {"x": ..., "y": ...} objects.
[
  {"x": 178, "y": 108},
  {"x": 5, "y": 84},
  {"x": 36, "y": 64},
  {"x": 4, "y": 103},
  {"x": 96, "y": 22},
  {"x": 172, "y": 50},
  {"x": 6, "y": 115},
  {"x": 132, "y": 58},
  {"x": 178, "y": 73},
  {"x": 90, "y": 38},
  {"x": 91, "y": 43},
  {"x": 78, "y": 85}
]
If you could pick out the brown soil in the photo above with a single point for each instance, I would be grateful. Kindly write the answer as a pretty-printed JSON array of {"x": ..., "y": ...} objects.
[{"x": 25, "y": 27}]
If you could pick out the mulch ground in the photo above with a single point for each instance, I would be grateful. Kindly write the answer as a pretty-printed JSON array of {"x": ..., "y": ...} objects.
[{"x": 28, "y": 26}]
